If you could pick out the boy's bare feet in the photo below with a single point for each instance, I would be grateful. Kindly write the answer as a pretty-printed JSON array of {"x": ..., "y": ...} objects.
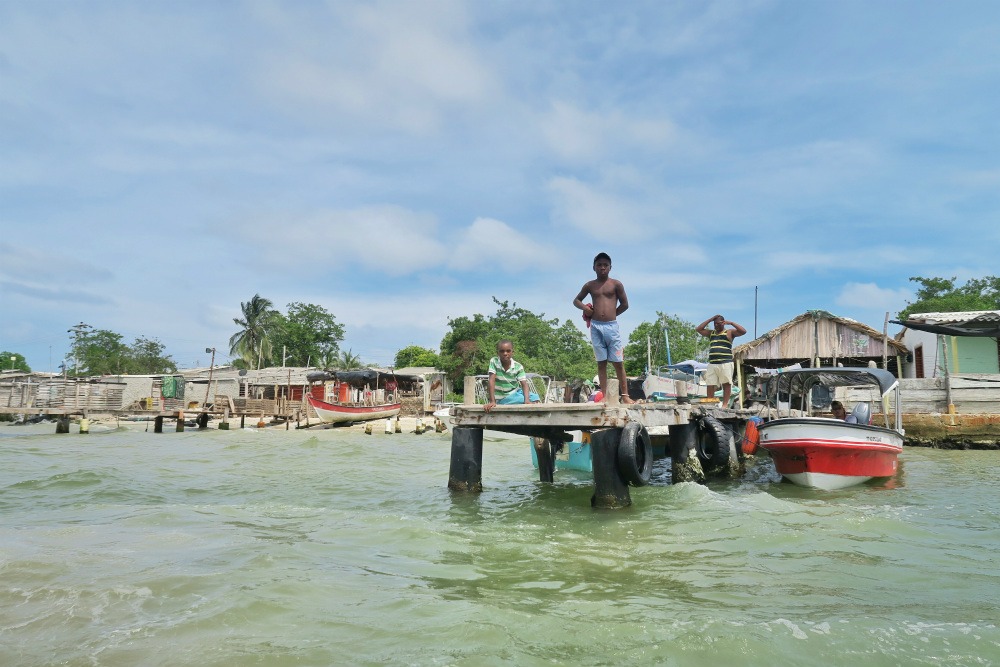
[{"x": 626, "y": 399}]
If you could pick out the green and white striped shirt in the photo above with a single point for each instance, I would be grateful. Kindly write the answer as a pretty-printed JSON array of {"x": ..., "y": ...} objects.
[{"x": 507, "y": 380}]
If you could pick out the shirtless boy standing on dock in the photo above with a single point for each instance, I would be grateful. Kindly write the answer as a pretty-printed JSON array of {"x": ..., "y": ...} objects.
[{"x": 609, "y": 301}]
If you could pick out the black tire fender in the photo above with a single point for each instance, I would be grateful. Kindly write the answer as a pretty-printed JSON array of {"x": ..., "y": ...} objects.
[
  {"x": 714, "y": 442},
  {"x": 635, "y": 455}
]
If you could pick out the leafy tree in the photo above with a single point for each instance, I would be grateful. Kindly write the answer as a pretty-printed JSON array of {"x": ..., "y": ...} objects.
[
  {"x": 252, "y": 343},
  {"x": 307, "y": 334},
  {"x": 940, "y": 295},
  {"x": 684, "y": 341},
  {"x": 547, "y": 347},
  {"x": 18, "y": 364},
  {"x": 460, "y": 346},
  {"x": 414, "y": 355},
  {"x": 101, "y": 352},
  {"x": 572, "y": 355},
  {"x": 147, "y": 358}
]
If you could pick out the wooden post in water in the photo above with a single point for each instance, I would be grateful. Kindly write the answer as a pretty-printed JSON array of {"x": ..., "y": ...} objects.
[
  {"x": 158, "y": 424},
  {"x": 546, "y": 462},
  {"x": 62, "y": 424},
  {"x": 610, "y": 490},
  {"x": 180, "y": 421},
  {"x": 224, "y": 426},
  {"x": 466, "y": 472}
]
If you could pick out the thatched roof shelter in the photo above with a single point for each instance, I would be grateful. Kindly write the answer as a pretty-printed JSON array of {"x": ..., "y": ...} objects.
[{"x": 815, "y": 338}]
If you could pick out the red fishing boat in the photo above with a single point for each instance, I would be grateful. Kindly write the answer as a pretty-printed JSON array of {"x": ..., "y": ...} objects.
[
  {"x": 825, "y": 452},
  {"x": 343, "y": 397}
]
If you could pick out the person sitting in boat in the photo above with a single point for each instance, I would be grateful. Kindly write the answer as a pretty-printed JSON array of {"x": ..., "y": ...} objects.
[
  {"x": 598, "y": 395},
  {"x": 840, "y": 413},
  {"x": 507, "y": 379}
]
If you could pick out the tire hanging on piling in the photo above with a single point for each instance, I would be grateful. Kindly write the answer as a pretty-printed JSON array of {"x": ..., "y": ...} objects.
[
  {"x": 635, "y": 455},
  {"x": 714, "y": 442}
]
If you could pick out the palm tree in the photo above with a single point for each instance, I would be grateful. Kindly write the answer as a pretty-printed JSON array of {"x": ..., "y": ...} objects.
[
  {"x": 348, "y": 362},
  {"x": 252, "y": 343},
  {"x": 327, "y": 359}
]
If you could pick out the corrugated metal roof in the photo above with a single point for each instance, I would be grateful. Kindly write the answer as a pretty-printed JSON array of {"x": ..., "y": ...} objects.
[{"x": 946, "y": 318}]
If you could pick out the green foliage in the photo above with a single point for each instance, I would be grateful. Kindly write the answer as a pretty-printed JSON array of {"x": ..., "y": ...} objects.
[
  {"x": 940, "y": 295},
  {"x": 460, "y": 346},
  {"x": 102, "y": 352},
  {"x": 547, "y": 347},
  {"x": 414, "y": 355},
  {"x": 347, "y": 362},
  {"x": 147, "y": 358},
  {"x": 306, "y": 335},
  {"x": 18, "y": 364},
  {"x": 252, "y": 343},
  {"x": 684, "y": 341}
]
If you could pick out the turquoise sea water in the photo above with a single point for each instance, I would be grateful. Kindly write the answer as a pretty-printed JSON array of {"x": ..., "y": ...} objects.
[{"x": 333, "y": 547}]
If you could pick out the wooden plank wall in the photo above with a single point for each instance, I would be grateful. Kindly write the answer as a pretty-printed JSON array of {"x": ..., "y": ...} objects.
[
  {"x": 17, "y": 394},
  {"x": 72, "y": 395},
  {"x": 970, "y": 394}
]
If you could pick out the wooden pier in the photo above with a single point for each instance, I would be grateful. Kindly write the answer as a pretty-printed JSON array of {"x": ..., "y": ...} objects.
[
  {"x": 199, "y": 417},
  {"x": 702, "y": 440}
]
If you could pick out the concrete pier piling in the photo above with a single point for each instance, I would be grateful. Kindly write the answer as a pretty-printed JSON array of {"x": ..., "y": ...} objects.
[
  {"x": 466, "y": 473},
  {"x": 610, "y": 490},
  {"x": 685, "y": 465}
]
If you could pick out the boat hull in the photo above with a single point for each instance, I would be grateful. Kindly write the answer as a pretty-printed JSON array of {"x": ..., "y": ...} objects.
[
  {"x": 830, "y": 454},
  {"x": 334, "y": 413},
  {"x": 574, "y": 455}
]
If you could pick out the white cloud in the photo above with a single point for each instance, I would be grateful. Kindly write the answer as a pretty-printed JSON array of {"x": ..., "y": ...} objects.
[
  {"x": 402, "y": 64},
  {"x": 577, "y": 135},
  {"x": 869, "y": 296},
  {"x": 598, "y": 214},
  {"x": 494, "y": 246},
  {"x": 386, "y": 239}
]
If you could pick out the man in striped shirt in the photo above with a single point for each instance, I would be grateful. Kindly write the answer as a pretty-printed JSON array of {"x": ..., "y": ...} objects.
[{"x": 720, "y": 355}]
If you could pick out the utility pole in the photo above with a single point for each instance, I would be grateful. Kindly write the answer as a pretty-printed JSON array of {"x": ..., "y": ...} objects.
[{"x": 211, "y": 367}]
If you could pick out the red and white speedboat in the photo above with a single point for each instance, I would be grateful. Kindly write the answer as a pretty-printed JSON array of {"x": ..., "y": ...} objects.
[{"x": 828, "y": 453}]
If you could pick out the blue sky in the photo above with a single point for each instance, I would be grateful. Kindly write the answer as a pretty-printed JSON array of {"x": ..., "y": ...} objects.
[{"x": 401, "y": 163}]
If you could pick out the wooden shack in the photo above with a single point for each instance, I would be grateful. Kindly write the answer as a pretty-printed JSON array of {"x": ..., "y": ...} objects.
[{"x": 816, "y": 338}]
